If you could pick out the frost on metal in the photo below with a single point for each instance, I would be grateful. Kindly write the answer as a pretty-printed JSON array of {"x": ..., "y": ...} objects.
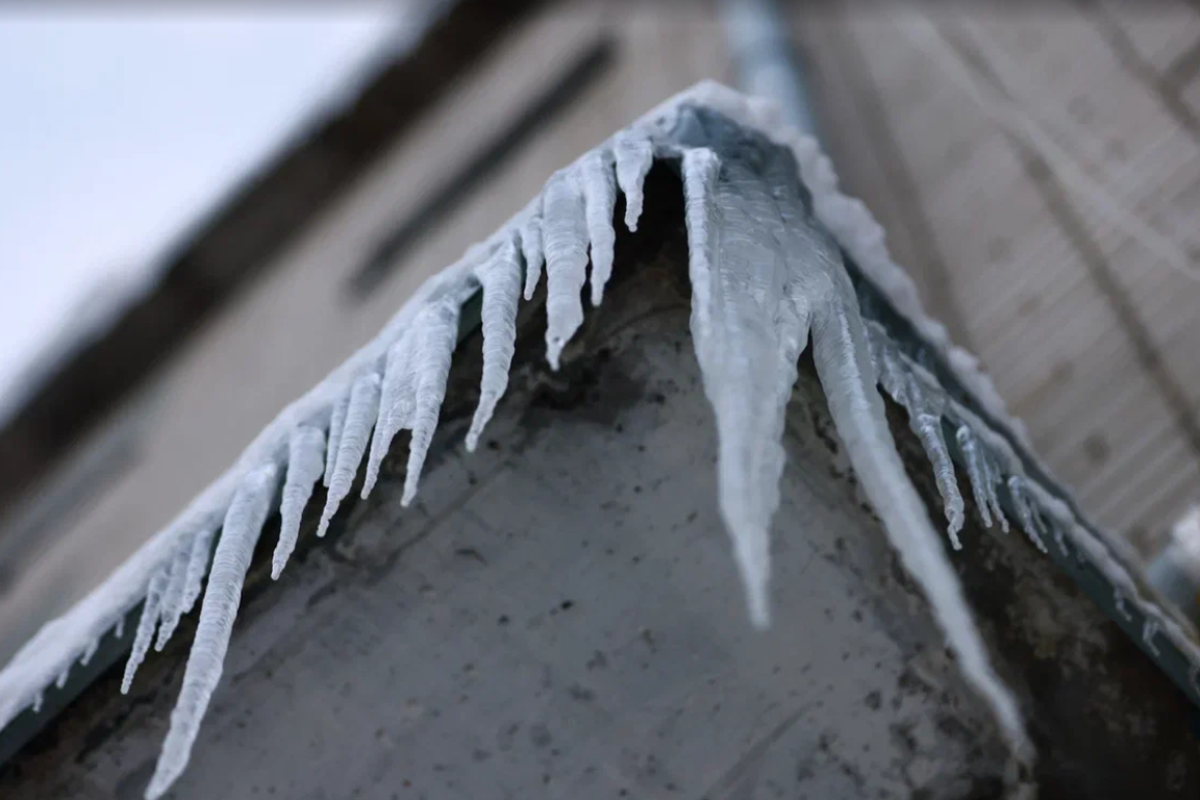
[{"x": 770, "y": 240}]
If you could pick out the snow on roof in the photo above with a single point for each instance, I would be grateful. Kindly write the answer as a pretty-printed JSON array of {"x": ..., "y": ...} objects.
[{"x": 767, "y": 230}]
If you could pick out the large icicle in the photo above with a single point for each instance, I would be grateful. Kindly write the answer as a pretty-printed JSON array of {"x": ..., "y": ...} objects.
[
  {"x": 306, "y": 462},
  {"x": 440, "y": 335},
  {"x": 361, "y": 413},
  {"x": 748, "y": 332},
  {"x": 600, "y": 197},
  {"x": 844, "y": 366},
  {"x": 240, "y": 532},
  {"x": 565, "y": 226},
  {"x": 500, "y": 277},
  {"x": 634, "y": 155},
  {"x": 744, "y": 261}
]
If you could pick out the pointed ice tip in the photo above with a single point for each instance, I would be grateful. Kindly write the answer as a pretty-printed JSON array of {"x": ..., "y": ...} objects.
[
  {"x": 483, "y": 415},
  {"x": 759, "y": 607},
  {"x": 162, "y": 780}
]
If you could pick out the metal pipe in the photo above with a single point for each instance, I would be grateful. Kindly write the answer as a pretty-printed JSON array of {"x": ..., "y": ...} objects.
[{"x": 766, "y": 59}]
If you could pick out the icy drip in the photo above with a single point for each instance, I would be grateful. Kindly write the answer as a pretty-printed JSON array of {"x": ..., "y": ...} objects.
[
  {"x": 433, "y": 368},
  {"x": 240, "y": 532},
  {"x": 976, "y": 472},
  {"x": 762, "y": 274},
  {"x": 634, "y": 155},
  {"x": 1025, "y": 519},
  {"x": 925, "y": 420},
  {"x": 565, "y": 228},
  {"x": 306, "y": 460},
  {"x": 902, "y": 380},
  {"x": 500, "y": 278},
  {"x": 336, "y": 422},
  {"x": 145, "y": 629},
  {"x": 172, "y": 603},
  {"x": 361, "y": 410},
  {"x": 600, "y": 197},
  {"x": 748, "y": 333}
]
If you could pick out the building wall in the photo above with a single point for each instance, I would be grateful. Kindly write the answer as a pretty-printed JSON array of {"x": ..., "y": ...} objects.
[{"x": 1037, "y": 168}]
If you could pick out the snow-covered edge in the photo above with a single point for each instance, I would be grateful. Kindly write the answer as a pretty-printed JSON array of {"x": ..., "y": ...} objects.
[
  {"x": 397, "y": 381},
  {"x": 856, "y": 230}
]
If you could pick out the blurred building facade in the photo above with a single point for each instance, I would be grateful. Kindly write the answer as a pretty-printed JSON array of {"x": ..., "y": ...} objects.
[{"x": 1065, "y": 286}]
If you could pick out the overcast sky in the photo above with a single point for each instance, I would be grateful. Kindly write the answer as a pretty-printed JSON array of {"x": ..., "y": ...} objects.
[{"x": 119, "y": 129}]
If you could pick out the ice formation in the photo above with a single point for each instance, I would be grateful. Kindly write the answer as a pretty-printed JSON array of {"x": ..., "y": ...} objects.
[{"x": 767, "y": 234}]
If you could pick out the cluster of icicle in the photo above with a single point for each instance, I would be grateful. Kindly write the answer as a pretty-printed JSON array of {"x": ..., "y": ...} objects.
[
  {"x": 993, "y": 470},
  {"x": 755, "y": 304}
]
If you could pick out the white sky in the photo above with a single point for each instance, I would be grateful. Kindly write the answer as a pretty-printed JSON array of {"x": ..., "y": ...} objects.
[{"x": 119, "y": 129}]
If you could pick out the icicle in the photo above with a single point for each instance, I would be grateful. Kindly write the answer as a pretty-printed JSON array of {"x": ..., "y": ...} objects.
[
  {"x": 197, "y": 565},
  {"x": 634, "y": 155},
  {"x": 38, "y": 699},
  {"x": 843, "y": 366},
  {"x": 1149, "y": 631},
  {"x": 566, "y": 261},
  {"x": 172, "y": 603},
  {"x": 501, "y": 280},
  {"x": 146, "y": 625},
  {"x": 905, "y": 389},
  {"x": 1016, "y": 490},
  {"x": 929, "y": 429},
  {"x": 89, "y": 652},
  {"x": 62, "y": 678},
  {"x": 744, "y": 462},
  {"x": 975, "y": 472},
  {"x": 361, "y": 412},
  {"x": 532, "y": 249},
  {"x": 306, "y": 461},
  {"x": 337, "y": 421},
  {"x": 1056, "y": 530},
  {"x": 119, "y": 631},
  {"x": 991, "y": 471},
  {"x": 1119, "y": 603},
  {"x": 396, "y": 402},
  {"x": 433, "y": 370},
  {"x": 600, "y": 198},
  {"x": 243, "y": 525}
]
